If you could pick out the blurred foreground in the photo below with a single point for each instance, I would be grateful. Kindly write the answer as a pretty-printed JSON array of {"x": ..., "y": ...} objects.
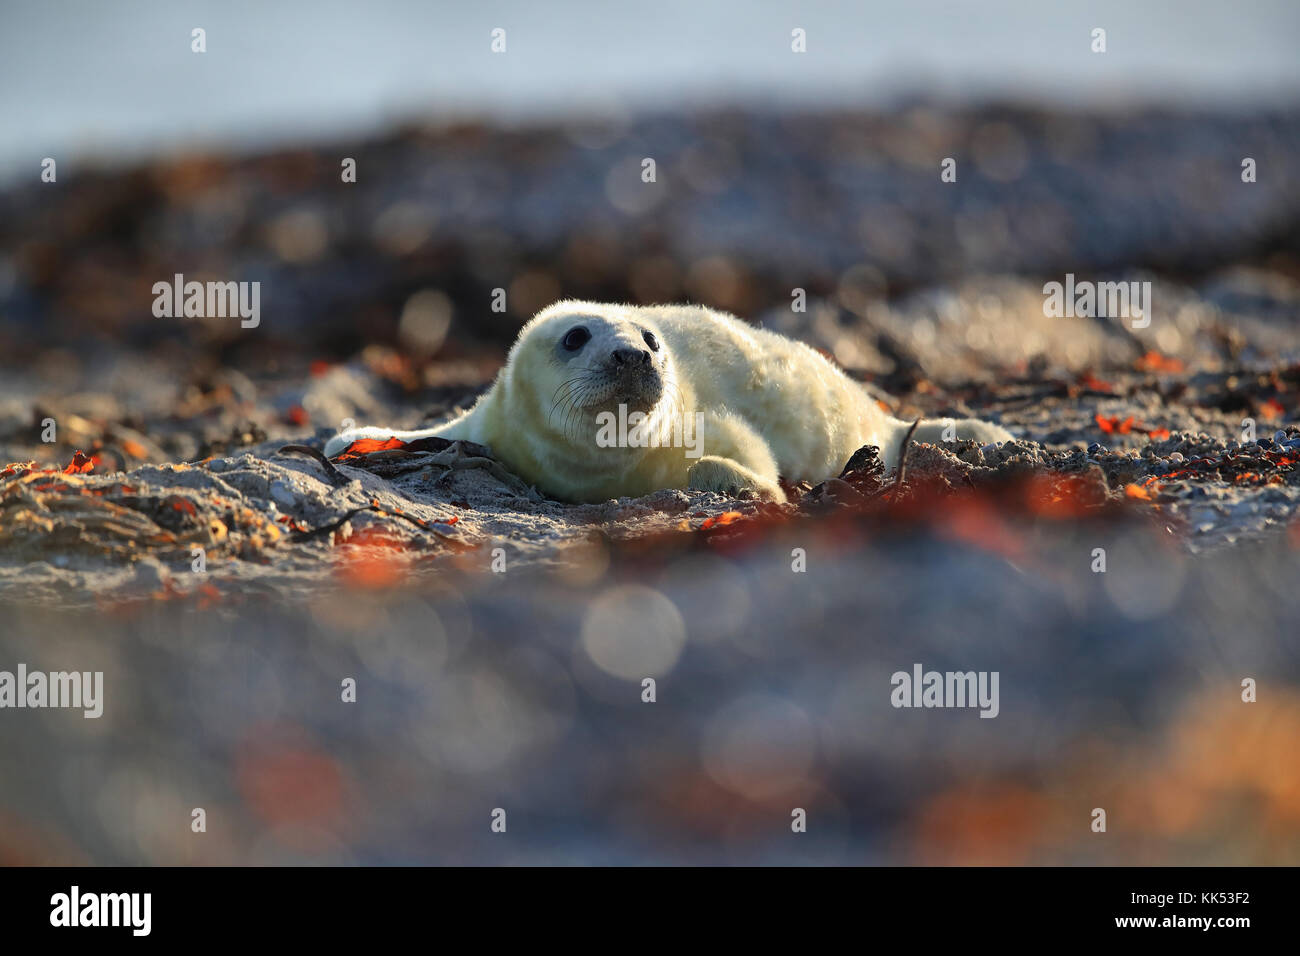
[{"x": 523, "y": 692}]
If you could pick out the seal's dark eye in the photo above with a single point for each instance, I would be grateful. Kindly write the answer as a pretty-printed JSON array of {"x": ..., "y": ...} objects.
[
  {"x": 575, "y": 338},
  {"x": 651, "y": 341}
]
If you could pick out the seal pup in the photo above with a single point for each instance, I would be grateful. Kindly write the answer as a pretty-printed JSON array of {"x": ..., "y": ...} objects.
[{"x": 599, "y": 401}]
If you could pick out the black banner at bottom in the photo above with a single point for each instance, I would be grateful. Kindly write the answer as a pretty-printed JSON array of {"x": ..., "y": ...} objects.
[{"x": 334, "y": 906}]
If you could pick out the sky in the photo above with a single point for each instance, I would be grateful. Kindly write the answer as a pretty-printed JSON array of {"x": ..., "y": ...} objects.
[{"x": 111, "y": 80}]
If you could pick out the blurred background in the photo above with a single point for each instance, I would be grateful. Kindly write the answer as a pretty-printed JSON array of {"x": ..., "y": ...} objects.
[
  {"x": 521, "y": 171},
  {"x": 108, "y": 82}
]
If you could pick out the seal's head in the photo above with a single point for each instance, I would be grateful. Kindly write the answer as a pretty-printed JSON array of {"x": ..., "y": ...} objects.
[{"x": 585, "y": 358}]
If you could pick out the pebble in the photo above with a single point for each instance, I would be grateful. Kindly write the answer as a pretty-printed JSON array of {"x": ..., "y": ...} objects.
[
  {"x": 1176, "y": 458},
  {"x": 840, "y": 491},
  {"x": 150, "y": 575},
  {"x": 282, "y": 494},
  {"x": 1264, "y": 443},
  {"x": 1095, "y": 448}
]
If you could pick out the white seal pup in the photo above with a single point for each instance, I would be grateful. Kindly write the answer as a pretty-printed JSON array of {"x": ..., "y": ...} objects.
[{"x": 599, "y": 401}]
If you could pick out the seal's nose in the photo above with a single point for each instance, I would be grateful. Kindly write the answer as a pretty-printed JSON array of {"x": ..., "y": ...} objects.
[{"x": 630, "y": 357}]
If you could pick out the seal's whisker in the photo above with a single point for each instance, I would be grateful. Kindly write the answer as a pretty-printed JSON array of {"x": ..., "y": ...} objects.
[
  {"x": 575, "y": 409},
  {"x": 573, "y": 384},
  {"x": 567, "y": 396},
  {"x": 564, "y": 402},
  {"x": 574, "y": 414},
  {"x": 676, "y": 402},
  {"x": 565, "y": 384}
]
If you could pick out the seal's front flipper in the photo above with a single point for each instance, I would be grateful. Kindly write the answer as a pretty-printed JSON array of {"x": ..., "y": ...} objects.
[
  {"x": 728, "y": 477},
  {"x": 932, "y": 430},
  {"x": 960, "y": 429}
]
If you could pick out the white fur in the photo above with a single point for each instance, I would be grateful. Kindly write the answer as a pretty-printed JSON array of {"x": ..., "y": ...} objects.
[{"x": 771, "y": 407}]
